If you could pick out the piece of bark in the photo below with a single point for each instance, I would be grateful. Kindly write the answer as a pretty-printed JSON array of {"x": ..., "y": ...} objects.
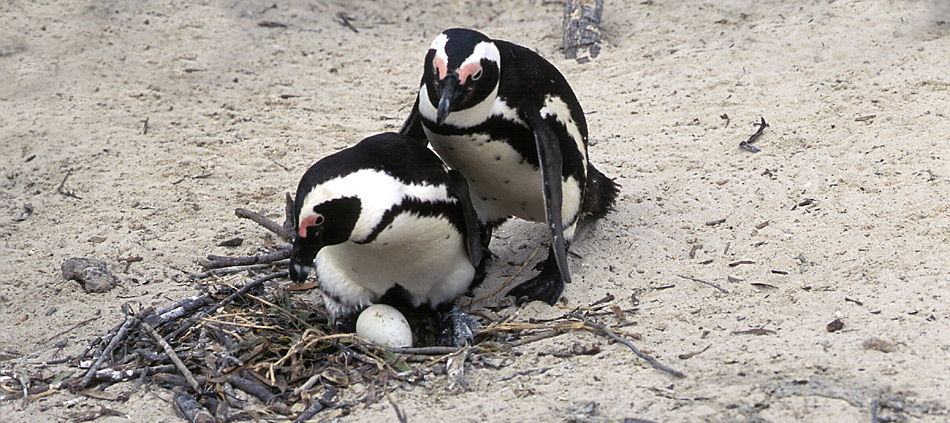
[
  {"x": 92, "y": 274},
  {"x": 581, "y": 29},
  {"x": 190, "y": 409}
]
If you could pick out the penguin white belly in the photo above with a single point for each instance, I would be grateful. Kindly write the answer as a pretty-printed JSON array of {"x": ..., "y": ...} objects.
[
  {"x": 501, "y": 182},
  {"x": 426, "y": 256}
]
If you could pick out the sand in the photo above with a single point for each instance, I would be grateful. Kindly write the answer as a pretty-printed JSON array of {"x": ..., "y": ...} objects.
[{"x": 166, "y": 116}]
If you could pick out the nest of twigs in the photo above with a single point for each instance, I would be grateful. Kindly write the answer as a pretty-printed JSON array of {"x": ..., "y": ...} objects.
[{"x": 246, "y": 349}]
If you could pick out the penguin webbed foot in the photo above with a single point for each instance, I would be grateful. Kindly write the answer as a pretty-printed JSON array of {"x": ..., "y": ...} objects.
[
  {"x": 547, "y": 286},
  {"x": 458, "y": 328}
]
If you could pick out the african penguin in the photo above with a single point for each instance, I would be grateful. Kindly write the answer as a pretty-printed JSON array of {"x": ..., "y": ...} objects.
[
  {"x": 508, "y": 120},
  {"x": 385, "y": 218}
]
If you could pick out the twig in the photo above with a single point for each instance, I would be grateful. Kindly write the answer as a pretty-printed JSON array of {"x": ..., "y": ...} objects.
[
  {"x": 641, "y": 354},
  {"x": 216, "y": 262},
  {"x": 250, "y": 285},
  {"x": 747, "y": 144},
  {"x": 73, "y": 327},
  {"x": 237, "y": 269},
  {"x": 130, "y": 323},
  {"x": 253, "y": 388},
  {"x": 145, "y": 126},
  {"x": 173, "y": 356},
  {"x": 317, "y": 406},
  {"x": 424, "y": 350},
  {"x": 62, "y": 343},
  {"x": 346, "y": 22},
  {"x": 190, "y": 408},
  {"x": 60, "y": 189},
  {"x": 268, "y": 224},
  {"x": 543, "y": 335},
  {"x": 702, "y": 281},
  {"x": 110, "y": 375},
  {"x": 177, "y": 310},
  {"x": 399, "y": 414}
]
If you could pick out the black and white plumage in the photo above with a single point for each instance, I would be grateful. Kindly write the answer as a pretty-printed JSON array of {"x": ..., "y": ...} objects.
[
  {"x": 385, "y": 218},
  {"x": 508, "y": 120}
]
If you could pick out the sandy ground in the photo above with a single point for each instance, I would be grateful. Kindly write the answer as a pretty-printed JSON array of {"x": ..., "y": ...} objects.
[{"x": 856, "y": 94}]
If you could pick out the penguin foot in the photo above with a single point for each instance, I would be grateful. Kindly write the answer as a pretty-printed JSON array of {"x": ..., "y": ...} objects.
[
  {"x": 458, "y": 328},
  {"x": 547, "y": 286}
]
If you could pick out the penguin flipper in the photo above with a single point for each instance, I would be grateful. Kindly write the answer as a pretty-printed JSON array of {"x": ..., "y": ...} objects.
[
  {"x": 548, "y": 285},
  {"x": 549, "y": 159},
  {"x": 459, "y": 186},
  {"x": 412, "y": 127}
]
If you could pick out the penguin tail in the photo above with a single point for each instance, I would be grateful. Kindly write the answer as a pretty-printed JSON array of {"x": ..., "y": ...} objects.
[{"x": 600, "y": 194}]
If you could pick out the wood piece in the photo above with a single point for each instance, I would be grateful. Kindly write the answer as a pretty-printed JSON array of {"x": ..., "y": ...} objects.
[
  {"x": 702, "y": 281},
  {"x": 130, "y": 323},
  {"x": 656, "y": 364},
  {"x": 217, "y": 262},
  {"x": 317, "y": 406},
  {"x": 194, "y": 319},
  {"x": 173, "y": 356},
  {"x": 190, "y": 409},
  {"x": 268, "y": 224},
  {"x": 581, "y": 29}
]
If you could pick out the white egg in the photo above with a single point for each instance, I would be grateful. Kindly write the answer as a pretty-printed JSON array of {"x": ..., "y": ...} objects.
[{"x": 385, "y": 326}]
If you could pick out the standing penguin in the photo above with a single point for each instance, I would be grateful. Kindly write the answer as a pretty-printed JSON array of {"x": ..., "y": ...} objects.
[
  {"x": 383, "y": 220},
  {"x": 507, "y": 119}
]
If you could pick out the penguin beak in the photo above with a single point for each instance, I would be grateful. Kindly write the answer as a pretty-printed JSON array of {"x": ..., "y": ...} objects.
[
  {"x": 301, "y": 258},
  {"x": 449, "y": 90}
]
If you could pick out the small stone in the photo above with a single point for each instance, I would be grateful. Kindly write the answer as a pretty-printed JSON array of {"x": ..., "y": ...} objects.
[
  {"x": 835, "y": 325},
  {"x": 879, "y": 345},
  {"x": 233, "y": 242},
  {"x": 92, "y": 274}
]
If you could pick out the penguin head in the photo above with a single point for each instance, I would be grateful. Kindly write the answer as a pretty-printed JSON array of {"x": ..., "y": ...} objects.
[
  {"x": 462, "y": 70},
  {"x": 326, "y": 223}
]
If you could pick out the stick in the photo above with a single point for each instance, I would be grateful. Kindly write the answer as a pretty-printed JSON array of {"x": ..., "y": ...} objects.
[
  {"x": 424, "y": 350},
  {"x": 641, "y": 354},
  {"x": 130, "y": 322},
  {"x": 60, "y": 344},
  {"x": 110, "y": 375},
  {"x": 543, "y": 335},
  {"x": 236, "y": 269},
  {"x": 289, "y": 210},
  {"x": 317, "y": 406},
  {"x": 60, "y": 189},
  {"x": 702, "y": 281},
  {"x": 747, "y": 144},
  {"x": 268, "y": 224},
  {"x": 190, "y": 408},
  {"x": 177, "y": 310},
  {"x": 73, "y": 327},
  {"x": 194, "y": 319},
  {"x": 216, "y": 262},
  {"x": 399, "y": 414},
  {"x": 346, "y": 22},
  {"x": 260, "y": 391},
  {"x": 173, "y": 356}
]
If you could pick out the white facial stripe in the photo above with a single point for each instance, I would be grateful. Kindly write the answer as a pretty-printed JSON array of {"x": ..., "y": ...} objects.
[
  {"x": 554, "y": 106},
  {"x": 484, "y": 50},
  {"x": 438, "y": 44},
  {"x": 377, "y": 192}
]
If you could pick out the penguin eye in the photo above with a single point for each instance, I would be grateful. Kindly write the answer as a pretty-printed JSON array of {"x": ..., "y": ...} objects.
[
  {"x": 477, "y": 75},
  {"x": 318, "y": 219}
]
